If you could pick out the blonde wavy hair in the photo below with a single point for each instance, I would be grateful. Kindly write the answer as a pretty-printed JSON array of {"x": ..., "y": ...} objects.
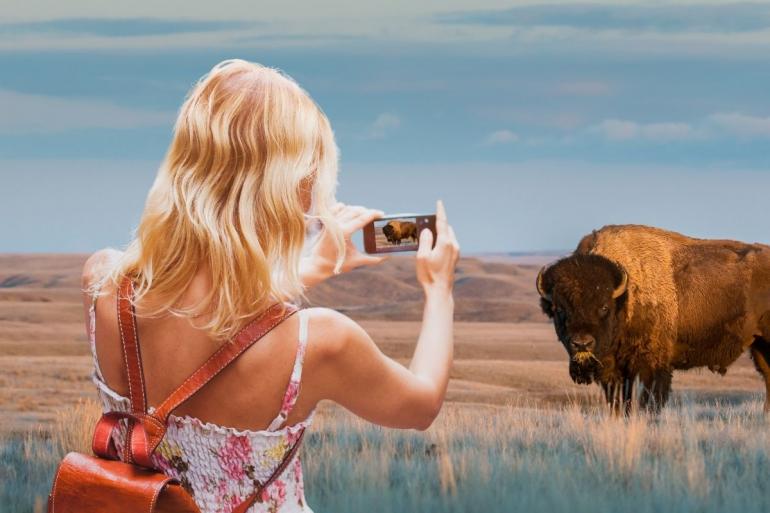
[{"x": 248, "y": 142}]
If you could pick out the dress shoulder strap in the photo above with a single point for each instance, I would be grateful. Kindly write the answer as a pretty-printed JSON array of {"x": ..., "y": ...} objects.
[
  {"x": 92, "y": 334},
  {"x": 292, "y": 390}
]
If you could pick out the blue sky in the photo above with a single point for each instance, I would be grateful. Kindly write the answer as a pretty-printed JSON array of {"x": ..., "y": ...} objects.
[{"x": 535, "y": 121}]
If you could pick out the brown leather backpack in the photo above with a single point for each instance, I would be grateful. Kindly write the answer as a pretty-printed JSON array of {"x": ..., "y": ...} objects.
[{"x": 103, "y": 482}]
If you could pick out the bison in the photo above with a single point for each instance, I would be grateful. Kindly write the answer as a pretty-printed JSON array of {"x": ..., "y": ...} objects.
[
  {"x": 640, "y": 302},
  {"x": 396, "y": 231}
]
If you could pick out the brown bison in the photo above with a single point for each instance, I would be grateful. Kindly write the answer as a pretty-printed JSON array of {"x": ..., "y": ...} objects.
[
  {"x": 639, "y": 302},
  {"x": 396, "y": 231}
]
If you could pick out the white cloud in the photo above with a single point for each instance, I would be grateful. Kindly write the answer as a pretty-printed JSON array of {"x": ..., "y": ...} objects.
[
  {"x": 742, "y": 125},
  {"x": 733, "y": 124},
  {"x": 617, "y": 130},
  {"x": 624, "y": 130},
  {"x": 32, "y": 113},
  {"x": 718, "y": 16},
  {"x": 668, "y": 131},
  {"x": 383, "y": 125},
  {"x": 501, "y": 137}
]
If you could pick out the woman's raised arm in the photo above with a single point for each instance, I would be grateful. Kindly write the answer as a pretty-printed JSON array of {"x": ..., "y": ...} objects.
[{"x": 357, "y": 375}]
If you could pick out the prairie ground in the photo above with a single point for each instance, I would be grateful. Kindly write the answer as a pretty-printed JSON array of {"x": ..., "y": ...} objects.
[
  {"x": 510, "y": 358},
  {"x": 515, "y": 434}
]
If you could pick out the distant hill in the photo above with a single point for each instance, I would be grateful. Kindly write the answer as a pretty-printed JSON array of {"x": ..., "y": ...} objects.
[
  {"x": 485, "y": 291},
  {"x": 493, "y": 290}
]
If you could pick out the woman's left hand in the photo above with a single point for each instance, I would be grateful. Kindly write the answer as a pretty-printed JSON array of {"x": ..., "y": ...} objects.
[{"x": 320, "y": 264}]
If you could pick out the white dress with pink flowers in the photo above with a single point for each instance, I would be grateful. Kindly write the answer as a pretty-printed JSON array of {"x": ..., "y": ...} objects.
[{"x": 219, "y": 465}]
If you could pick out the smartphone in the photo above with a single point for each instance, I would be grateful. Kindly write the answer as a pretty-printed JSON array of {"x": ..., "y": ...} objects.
[{"x": 397, "y": 232}]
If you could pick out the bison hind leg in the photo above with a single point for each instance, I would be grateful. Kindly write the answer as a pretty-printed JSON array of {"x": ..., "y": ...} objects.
[
  {"x": 657, "y": 388},
  {"x": 760, "y": 353}
]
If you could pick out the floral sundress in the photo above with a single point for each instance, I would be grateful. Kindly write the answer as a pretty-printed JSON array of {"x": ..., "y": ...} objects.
[{"x": 220, "y": 466}]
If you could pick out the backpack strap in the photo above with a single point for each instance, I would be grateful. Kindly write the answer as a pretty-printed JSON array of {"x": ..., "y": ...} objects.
[
  {"x": 146, "y": 429},
  {"x": 132, "y": 360},
  {"x": 130, "y": 345}
]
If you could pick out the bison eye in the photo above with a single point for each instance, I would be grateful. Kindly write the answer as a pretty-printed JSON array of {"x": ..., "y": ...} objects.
[{"x": 604, "y": 310}]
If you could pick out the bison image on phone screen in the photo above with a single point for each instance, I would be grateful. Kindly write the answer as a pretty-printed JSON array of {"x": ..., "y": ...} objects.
[{"x": 396, "y": 232}]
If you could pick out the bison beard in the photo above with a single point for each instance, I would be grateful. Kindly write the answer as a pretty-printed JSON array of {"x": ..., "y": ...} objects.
[
  {"x": 583, "y": 367},
  {"x": 662, "y": 320}
]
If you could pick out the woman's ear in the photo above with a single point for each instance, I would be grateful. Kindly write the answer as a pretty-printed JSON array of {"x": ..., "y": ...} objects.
[{"x": 306, "y": 192}]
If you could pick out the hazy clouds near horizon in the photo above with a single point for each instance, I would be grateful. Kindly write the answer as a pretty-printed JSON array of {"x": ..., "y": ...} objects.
[{"x": 493, "y": 207}]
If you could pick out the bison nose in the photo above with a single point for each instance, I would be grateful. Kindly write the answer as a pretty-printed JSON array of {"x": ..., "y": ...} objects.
[{"x": 583, "y": 343}]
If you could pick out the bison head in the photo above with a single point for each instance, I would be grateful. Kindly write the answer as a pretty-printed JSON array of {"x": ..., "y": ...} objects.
[
  {"x": 390, "y": 232},
  {"x": 583, "y": 295}
]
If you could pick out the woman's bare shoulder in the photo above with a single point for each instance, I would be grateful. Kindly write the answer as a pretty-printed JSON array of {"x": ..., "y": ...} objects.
[
  {"x": 331, "y": 331},
  {"x": 98, "y": 265}
]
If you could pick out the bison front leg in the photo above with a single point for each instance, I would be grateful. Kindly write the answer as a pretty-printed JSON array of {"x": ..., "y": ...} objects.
[
  {"x": 610, "y": 394},
  {"x": 619, "y": 395},
  {"x": 657, "y": 388},
  {"x": 760, "y": 353}
]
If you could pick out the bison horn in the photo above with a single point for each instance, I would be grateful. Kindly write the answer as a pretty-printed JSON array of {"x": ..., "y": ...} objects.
[
  {"x": 621, "y": 289},
  {"x": 540, "y": 287}
]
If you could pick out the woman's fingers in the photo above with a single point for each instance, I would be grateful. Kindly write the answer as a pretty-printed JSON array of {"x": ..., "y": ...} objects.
[
  {"x": 359, "y": 218},
  {"x": 336, "y": 208},
  {"x": 453, "y": 237},
  {"x": 350, "y": 212},
  {"x": 425, "y": 243},
  {"x": 340, "y": 210},
  {"x": 364, "y": 218},
  {"x": 441, "y": 221},
  {"x": 370, "y": 260}
]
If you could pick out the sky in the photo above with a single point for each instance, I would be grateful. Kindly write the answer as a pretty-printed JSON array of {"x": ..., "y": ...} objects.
[{"x": 534, "y": 121}]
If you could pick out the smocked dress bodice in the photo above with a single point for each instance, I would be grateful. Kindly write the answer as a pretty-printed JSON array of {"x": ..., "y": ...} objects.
[{"x": 220, "y": 466}]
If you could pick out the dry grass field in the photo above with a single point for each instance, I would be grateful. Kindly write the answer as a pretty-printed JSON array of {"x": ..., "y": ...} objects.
[
  {"x": 506, "y": 354},
  {"x": 692, "y": 458}
]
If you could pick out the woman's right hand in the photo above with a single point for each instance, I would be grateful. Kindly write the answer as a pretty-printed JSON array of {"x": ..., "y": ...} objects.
[{"x": 436, "y": 265}]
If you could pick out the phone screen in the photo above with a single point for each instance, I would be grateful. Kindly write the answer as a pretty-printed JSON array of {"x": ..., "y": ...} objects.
[{"x": 397, "y": 232}]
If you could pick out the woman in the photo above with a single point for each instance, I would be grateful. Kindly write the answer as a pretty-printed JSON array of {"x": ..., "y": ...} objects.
[{"x": 251, "y": 166}]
